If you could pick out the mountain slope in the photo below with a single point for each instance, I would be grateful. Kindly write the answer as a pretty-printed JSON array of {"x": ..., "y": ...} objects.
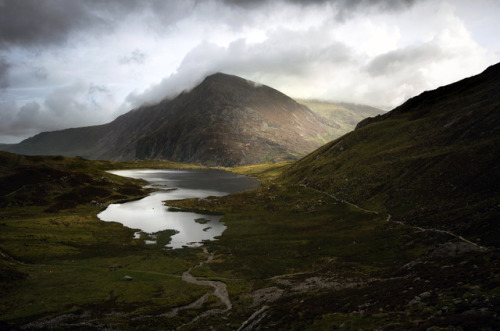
[
  {"x": 346, "y": 115},
  {"x": 432, "y": 161},
  {"x": 226, "y": 120}
]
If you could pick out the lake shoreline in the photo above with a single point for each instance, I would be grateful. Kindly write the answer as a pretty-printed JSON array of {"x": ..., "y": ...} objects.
[{"x": 152, "y": 214}]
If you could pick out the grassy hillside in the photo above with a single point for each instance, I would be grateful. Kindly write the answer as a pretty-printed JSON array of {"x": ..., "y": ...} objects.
[{"x": 431, "y": 162}]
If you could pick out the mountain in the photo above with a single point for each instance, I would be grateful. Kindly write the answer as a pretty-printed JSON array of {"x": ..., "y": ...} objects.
[
  {"x": 346, "y": 115},
  {"x": 226, "y": 120},
  {"x": 433, "y": 161}
]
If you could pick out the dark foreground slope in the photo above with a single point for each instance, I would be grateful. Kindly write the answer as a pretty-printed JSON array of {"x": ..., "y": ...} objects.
[
  {"x": 433, "y": 161},
  {"x": 226, "y": 120}
]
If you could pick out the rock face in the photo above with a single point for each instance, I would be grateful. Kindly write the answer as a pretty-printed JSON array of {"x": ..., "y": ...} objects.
[{"x": 226, "y": 120}]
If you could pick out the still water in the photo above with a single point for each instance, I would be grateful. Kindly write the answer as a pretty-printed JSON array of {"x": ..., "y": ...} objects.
[{"x": 150, "y": 215}]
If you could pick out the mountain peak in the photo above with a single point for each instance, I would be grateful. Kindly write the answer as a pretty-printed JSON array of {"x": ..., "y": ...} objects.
[
  {"x": 221, "y": 75},
  {"x": 226, "y": 80},
  {"x": 226, "y": 120}
]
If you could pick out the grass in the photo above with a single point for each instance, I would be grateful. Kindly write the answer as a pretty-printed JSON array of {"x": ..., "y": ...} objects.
[
  {"x": 75, "y": 260},
  {"x": 386, "y": 167},
  {"x": 59, "y": 288},
  {"x": 265, "y": 172},
  {"x": 297, "y": 232}
]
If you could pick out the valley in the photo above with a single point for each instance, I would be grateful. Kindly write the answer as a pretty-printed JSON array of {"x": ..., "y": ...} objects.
[{"x": 393, "y": 226}]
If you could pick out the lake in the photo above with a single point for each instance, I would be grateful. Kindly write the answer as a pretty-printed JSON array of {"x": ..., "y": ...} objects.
[{"x": 150, "y": 215}]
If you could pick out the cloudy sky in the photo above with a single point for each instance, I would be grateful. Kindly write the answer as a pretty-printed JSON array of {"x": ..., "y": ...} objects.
[{"x": 70, "y": 63}]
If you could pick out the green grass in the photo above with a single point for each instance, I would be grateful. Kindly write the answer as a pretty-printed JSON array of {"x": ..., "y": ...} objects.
[
  {"x": 74, "y": 260},
  {"x": 58, "y": 288},
  {"x": 265, "y": 172},
  {"x": 389, "y": 167},
  {"x": 278, "y": 231}
]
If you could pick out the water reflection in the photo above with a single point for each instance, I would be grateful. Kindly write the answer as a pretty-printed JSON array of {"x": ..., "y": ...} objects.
[{"x": 150, "y": 215}]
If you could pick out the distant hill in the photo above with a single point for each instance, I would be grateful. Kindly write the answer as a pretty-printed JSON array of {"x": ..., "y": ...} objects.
[
  {"x": 346, "y": 115},
  {"x": 433, "y": 161},
  {"x": 226, "y": 120}
]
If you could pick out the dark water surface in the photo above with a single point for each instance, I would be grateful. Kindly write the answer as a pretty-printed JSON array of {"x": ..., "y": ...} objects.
[{"x": 151, "y": 215}]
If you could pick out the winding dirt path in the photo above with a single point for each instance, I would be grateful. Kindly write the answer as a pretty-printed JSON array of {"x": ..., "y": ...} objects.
[
  {"x": 389, "y": 219},
  {"x": 220, "y": 291},
  {"x": 483, "y": 248},
  {"x": 220, "y": 288},
  {"x": 340, "y": 200}
]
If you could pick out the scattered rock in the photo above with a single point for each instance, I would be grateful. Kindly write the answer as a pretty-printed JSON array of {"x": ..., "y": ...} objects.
[
  {"x": 97, "y": 204},
  {"x": 414, "y": 302},
  {"x": 417, "y": 300},
  {"x": 268, "y": 294},
  {"x": 424, "y": 295}
]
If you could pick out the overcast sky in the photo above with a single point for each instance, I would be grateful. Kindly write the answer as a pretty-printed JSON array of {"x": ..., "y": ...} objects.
[{"x": 70, "y": 63}]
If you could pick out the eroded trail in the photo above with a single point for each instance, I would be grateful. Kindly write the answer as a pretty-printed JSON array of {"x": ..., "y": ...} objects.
[
  {"x": 220, "y": 288},
  {"x": 389, "y": 219},
  {"x": 220, "y": 291}
]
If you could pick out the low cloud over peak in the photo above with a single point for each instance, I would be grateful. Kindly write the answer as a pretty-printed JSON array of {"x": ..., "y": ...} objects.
[{"x": 60, "y": 59}]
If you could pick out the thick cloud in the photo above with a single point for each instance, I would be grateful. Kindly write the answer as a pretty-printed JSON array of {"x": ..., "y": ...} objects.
[
  {"x": 35, "y": 23},
  {"x": 135, "y": 57},
  {"x": 263, "y": 62},
  {"x": 320, "y": 62},
  {"x": 4, "y": 72},
  {"x": 66, "y": 63},
  {"x": 344, "y": 4},
  {"x": 399, "y": 60},
  {"x": 41, "y": 23}
]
